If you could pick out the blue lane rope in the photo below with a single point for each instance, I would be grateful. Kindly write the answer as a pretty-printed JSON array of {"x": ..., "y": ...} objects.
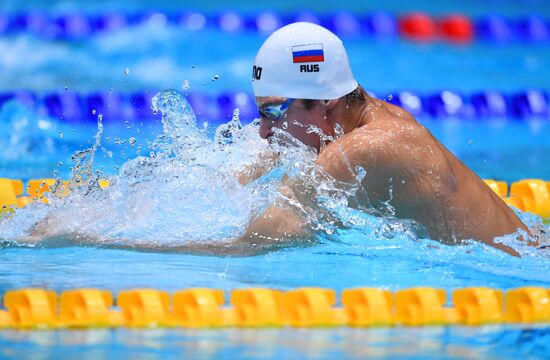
[
  {"x": 77, "y": 107},
  {"x": 75, "y": 25}
]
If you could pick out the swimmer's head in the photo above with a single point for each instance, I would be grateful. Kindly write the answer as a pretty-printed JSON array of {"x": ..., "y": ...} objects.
[
  {"x": 300, "y": 75},
  {"x": 302, "y": 61}
]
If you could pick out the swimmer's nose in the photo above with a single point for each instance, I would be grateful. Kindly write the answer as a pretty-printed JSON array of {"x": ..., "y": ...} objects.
[{"x": 266, "y": 128}]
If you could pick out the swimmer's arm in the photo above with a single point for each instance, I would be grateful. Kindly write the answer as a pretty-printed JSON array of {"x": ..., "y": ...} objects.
[
  {"x": 278, "y": 226},
  {"x": 265, "y": 162},
  {"x": 341, "y": 158},
  {"x": 285, "y": 224}
]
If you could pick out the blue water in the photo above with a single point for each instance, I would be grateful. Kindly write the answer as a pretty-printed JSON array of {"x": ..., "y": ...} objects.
[
  {"x": 413, "y": 343},
  {"x": 166, "y": 56},
  {"x": 469, "y": 7},
  {"x": 505, "y": 149}
]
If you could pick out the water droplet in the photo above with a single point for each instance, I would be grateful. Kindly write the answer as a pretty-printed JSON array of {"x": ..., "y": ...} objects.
[
  {"x": 59, "y": 163},
  {"x": 185, "y": 85},
  {"x": 215, "y": 77},
  {"x": 126, "y": 72},
  {"x": 61, "y": 135},
  {"x": 390, "y": 97},
  {"x": 132, "y": 141},
  {"x": 470, "y": 142},
  {"x": 93, "y": 112},
  {"x": 66, "y": 88}
]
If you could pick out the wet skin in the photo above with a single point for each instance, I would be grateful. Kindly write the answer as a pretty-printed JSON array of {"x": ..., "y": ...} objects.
[{"x": 406, "y": 166}]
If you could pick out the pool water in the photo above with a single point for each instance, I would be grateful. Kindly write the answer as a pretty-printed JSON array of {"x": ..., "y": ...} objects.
[
  {"x": 412, "y": 343},
  {"x": 182, "y": 199},
  {"x": 373, "y": 251}
]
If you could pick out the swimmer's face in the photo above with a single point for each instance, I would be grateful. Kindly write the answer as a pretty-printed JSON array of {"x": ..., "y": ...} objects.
[{"x": 298, "y": 121}]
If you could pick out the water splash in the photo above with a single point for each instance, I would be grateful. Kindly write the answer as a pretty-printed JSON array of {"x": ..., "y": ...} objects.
[
  {"x": 226, "y": 133},
  {"x": 83, "y": 174},
  {"x": 186, "y": 190},
  {"x": 189, "y": 189},
  {"x": 536, "y": 244}
]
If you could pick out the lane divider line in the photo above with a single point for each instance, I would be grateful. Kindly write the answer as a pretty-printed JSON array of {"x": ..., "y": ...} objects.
[{"x": 261, "y": 307}]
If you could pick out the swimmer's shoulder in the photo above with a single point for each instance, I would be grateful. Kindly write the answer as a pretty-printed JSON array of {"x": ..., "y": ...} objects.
[
  {"x": 390, "y": 135},
  {"x": 379, "y": 114},
  {"x": 386, "y": 137},
  {"x": 366, "y": 147},
  {"x": 397, "y": 111}
]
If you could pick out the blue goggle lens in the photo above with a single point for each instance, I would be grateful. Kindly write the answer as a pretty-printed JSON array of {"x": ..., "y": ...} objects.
[{"x": 276, "y": 112}]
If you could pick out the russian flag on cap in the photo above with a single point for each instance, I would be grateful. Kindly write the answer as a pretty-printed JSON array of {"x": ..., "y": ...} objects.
[{"x": 308, "y": 53}]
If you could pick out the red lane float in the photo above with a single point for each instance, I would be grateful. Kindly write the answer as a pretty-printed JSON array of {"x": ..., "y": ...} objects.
[
  {"x": 456, "y": 28},
  {"x": 418, "y": 26}
]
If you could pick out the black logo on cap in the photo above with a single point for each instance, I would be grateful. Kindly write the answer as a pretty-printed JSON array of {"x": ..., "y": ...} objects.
[{"x": 256, "y": 72}]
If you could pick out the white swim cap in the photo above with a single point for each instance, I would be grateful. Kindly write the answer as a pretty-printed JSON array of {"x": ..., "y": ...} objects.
[{"x": 302, "y": 61}]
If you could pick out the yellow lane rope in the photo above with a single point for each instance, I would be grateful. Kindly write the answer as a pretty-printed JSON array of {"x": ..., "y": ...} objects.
[{"x": 262, "y": 307}]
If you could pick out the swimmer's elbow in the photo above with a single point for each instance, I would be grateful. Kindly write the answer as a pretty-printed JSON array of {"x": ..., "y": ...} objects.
[{"x": 277, "y": 225}]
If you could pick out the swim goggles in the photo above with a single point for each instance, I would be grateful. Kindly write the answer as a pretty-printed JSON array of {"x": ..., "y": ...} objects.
[{"x": 276, "y": 112}]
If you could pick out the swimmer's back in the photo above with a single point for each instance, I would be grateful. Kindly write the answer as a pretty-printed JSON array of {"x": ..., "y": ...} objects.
[{"x": 411, "y": 170}]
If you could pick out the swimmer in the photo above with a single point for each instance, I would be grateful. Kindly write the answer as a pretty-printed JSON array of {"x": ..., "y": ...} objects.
[{"x": 302, "y": 81}]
